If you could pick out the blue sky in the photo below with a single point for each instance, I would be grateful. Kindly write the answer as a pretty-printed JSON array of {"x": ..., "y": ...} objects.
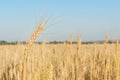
[{"x": 92, "y": 19}]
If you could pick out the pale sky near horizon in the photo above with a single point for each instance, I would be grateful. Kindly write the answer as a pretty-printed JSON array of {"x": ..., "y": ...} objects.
[{"x": 92, "y": 19}]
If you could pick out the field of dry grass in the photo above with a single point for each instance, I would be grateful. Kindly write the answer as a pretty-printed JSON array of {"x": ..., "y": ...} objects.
[{"x": 61, "y": 62}]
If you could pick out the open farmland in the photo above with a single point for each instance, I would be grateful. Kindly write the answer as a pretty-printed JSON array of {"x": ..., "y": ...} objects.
[
  {"x": 61, "y": 62},
  {"x": 60, "y": 40},
  {"x": 66, "y": 61}
]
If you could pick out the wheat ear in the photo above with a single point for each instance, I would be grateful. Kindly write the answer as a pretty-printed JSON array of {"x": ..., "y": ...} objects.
[{"x": 33, "y": 38}]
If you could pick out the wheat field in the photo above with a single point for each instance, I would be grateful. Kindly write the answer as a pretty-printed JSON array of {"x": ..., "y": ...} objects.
[{"x": 60, "y": 61}]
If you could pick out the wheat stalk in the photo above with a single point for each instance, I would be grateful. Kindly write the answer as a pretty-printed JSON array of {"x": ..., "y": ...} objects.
[
  {"x": 107, "y": 38},
  {"x": 71, "y": 39},
  {"x": 29, "y": 46},
  {"x": 79, "y": 42}
]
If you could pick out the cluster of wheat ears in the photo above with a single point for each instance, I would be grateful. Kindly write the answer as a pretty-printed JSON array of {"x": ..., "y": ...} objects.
[{"x": 60, "y": 61}]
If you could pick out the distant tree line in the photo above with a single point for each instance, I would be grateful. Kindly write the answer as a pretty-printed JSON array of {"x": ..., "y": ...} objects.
[
  {"x": 10, "y": 43},
  {"x": 53, "y": 42}
]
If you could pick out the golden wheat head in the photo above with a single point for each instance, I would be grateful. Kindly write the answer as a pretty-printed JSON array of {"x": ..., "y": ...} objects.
[{"x": 33, "y": 38}]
